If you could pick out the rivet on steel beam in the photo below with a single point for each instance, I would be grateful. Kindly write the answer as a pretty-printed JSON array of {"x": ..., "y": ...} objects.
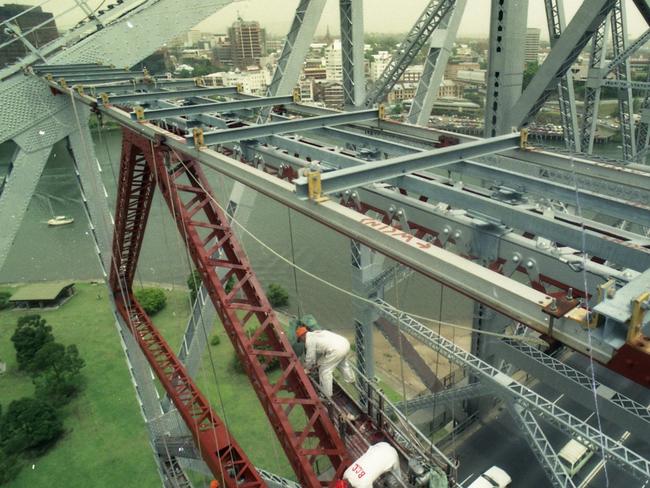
[
  {"x": 569, "y": 294},
  {"x": 197, "y": 133}
]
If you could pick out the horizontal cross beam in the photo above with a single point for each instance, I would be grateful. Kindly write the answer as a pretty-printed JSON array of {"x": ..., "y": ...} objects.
[
  {"x": 216, "y": 107},
  {"x": 169, "y": 95},
  {"x": 296, "y": 125},
  {"x": 375, "y": 171}
]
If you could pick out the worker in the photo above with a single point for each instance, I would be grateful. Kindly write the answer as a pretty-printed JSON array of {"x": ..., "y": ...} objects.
[
  {"x": 376, "y": 461},
  {"x": 326, "y": 350}
]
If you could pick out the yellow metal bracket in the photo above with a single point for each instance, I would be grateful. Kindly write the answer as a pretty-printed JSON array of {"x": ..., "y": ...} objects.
[
  {"x": 523, "y": 139},
  {"x": 105, "y": 98},
  {"x": 296, "y": 95},
  {"x": 381, "y": 111},
  {"x": 80, "y": 89},
  {"x": 139, "y": 112},
  {"x": 63, "y": 83},
  {"x": 197, "y": 133},
  {"x": 200, "y": 81},
  {"x": 638, "y": 312},
  {"x": 314, "y": 187},
  {"x": 240, "y": 87}
]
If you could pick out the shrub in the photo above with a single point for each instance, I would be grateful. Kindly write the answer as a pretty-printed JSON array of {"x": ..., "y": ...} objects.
[
  {"x": 32, "y": 333},
  {"x": 4, "y": 299},
  {"x": 194, "y": 283},
  {"x": 215, "y": 341},
  {"x": 152, "y": 300},
  {"x": 29, "y": 424},
  {"x": 10, "y": 466},
  {"x": 278, "y": 296},
  {"x": 60, "y": 378}
]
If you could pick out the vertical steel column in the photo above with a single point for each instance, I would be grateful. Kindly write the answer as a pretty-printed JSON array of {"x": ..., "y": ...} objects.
[
  {"x": 623, "y": 73},
  {"x": 296, "y": 45},
  {"x": 593, "y": 87},
  {"x": 643, "y": 134},
  {"x": 505, "y": 62},
  {"x": 366, "y": 266},
  {"x": 442, "y": 43},
  {"x": 566, "y": 96},
  {"x": 352, "y": 41}
]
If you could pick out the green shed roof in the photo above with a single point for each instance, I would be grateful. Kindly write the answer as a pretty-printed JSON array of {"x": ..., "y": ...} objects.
[{"x": 40, "y": 291}]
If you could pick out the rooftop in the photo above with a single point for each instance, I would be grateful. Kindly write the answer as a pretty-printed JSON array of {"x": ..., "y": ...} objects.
[{"x": 40, "y": 291}]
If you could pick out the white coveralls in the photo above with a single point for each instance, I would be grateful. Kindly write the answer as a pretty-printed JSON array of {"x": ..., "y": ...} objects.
[
  {"x": 377, "y": 460},
  {"x": 328, "y": 350}
]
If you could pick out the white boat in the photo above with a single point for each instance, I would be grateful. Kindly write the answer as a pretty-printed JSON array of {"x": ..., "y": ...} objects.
[{"x": 60, "y": 220}]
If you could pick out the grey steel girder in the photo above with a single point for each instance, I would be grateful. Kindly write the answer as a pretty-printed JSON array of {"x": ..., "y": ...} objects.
[
  {"x": 442, "y": 43},
  {"x": 644, "y": 8},
  {"x": 612, "y": 206},
  {"x": 352, "y": 42},
  {"x": 296, "y": 45},
  {"x": 455, "y": 394},
  {"x": 643, "y": 134},
  {"x": 415, "y": 40},
  {"x": 623, "y": 73},
  {"x": 613, "y": 406},
  {"x": 505, "y": 63},
  {"x": 214, "y": 107},
  {"x": 375, "y": 171},
  {"x": 544, "y": 452},
  {"x": 296, "y": 125},
  {"x": 567, "y": 48},
  {"x": 169, "y": 94},
  {"x": 626, "y": 84},
  {"x": 508, "y": 387},
  {"x": 566, "y": 96},
  {"x": 630, "y": 254},
  {"x": 628, "y": 51}
]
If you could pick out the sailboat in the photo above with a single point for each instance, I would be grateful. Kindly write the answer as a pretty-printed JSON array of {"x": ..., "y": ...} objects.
[{"x": 59, "y": 219}]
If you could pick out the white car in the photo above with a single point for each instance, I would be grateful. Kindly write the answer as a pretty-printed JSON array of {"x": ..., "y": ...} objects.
[{"x": 494, "y": 477}]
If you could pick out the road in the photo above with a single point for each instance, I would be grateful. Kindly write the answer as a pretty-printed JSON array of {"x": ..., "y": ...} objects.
[{"x": 498, "y": 442}]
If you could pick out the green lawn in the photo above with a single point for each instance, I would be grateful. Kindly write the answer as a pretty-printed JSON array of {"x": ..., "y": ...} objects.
[{"x": 106, "y": 443}]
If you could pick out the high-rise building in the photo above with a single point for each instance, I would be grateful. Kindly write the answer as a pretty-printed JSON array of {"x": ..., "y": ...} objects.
[
  {"x": 37, "y": 26},
  {"x": 531, "y": 49},
  {"x": 334, "y": 61},
  {"x": 247, "y": 43}
]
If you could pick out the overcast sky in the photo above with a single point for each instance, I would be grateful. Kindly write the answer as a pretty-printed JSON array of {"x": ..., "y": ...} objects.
[
  {"x": 390, "y": 16},
  {"x": 379, "y": 15}
]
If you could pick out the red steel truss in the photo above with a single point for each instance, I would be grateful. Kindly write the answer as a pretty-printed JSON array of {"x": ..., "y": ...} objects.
[
  {"x": 218, "y": 447},
  {"x": 290, "y": 401}
]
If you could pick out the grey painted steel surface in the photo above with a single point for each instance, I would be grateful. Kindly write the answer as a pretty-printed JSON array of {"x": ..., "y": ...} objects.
[
  {"x": 544, "y": 452},
  {"x": 627, "y": 459},
  {"x": 296, "y": 45},
  {"x": 169, "y": 94},
  {"x": 375, "y": 171},
  {"x": 415, "y": 40},
  {"x": 454, "y": 394},
  {"x": 442, "y": 43},
  {"x": 352, "y": 43},
  {"x": 296, "y": 125},
  {"x": 567, "y": 48},
  {"x": 527, "y": 184},
  {"x": 566, "y": 96},
  {"x": 505, "y": 63},
  {"x": 625, "y": 54},
  {"x": 214, "y": 107},
  {"x": 623, "y": 73},
  {"x": 612, "y": 405}
]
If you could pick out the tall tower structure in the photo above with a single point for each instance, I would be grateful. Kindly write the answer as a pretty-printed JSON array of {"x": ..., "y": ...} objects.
[
  {"x": 247, "y": 41},
  {"x": 531, "y": 48}
]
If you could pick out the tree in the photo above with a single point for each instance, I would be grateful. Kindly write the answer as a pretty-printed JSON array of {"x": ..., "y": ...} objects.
[
  {"x": 59, "y": 379},
  {"x": 10, "y": 466},
  {"x": 29, "y": 424},
  {"x": 529, "y": 72},
  {"x": 278, "y": 296},
  {"x": 152, "y": 300},
  {"x": 32, "y": 333},
  {"x": 4, "y": 299}
]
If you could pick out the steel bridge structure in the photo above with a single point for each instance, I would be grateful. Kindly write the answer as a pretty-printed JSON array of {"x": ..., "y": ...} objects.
[{"x": 552, "y": 248}]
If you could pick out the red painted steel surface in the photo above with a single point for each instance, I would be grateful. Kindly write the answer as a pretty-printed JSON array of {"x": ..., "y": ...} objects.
[
  {"x": 295, "y": 412},
  {"x": 218, "y": 447}
]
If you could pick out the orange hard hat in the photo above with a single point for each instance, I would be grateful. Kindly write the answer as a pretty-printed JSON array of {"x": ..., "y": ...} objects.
[
  {"x": 341, "y": 484},
  {"x": 214, "y": 484},
  {"x": 301, "y": 331}
]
